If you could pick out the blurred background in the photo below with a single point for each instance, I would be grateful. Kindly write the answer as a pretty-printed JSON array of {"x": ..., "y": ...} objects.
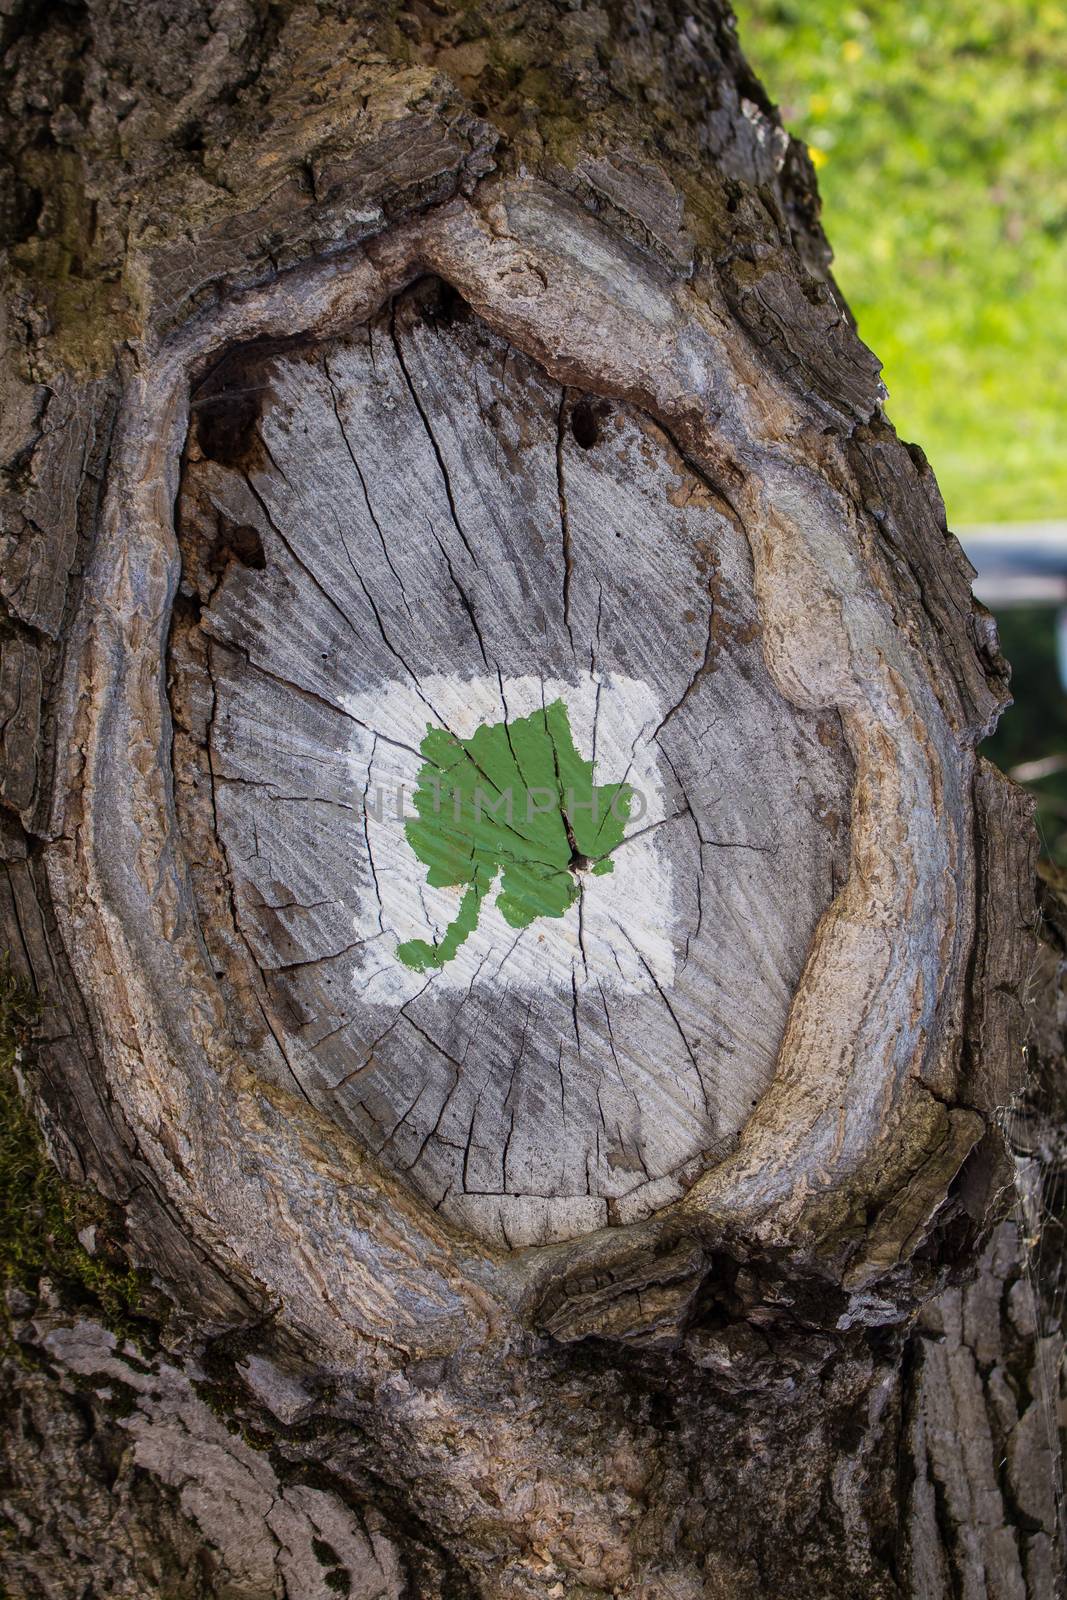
[{"x": 939, "y": 133}]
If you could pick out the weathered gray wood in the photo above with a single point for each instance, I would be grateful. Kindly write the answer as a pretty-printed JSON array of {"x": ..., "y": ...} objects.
[{"x": 466, "y": 570}]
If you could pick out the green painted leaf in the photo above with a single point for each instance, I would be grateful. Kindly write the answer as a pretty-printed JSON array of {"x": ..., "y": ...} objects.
[{"x": 514, "y": 801}]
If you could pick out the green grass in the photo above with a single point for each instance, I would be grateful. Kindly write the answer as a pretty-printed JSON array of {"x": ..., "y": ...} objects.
[{"x": 939, "y": 131}]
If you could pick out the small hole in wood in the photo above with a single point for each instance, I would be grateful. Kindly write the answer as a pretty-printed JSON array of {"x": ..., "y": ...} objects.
[
  {"x": 237, "y": 542},
  {"x": 586, "y": 419},
  {"x": 226, "y": 425},
  {"x": 187, "y": 606},
  {"x": 190, "y": 137},
  {"x": 440, "y": 303},
  {"x": 228, "y": 403},
  {"x": 25, "y": 211}
]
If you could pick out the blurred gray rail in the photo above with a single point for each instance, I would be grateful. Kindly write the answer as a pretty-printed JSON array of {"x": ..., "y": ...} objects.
[
  {"x": 1022, "y": 564},
  {"x": 1018, "y": 563}
]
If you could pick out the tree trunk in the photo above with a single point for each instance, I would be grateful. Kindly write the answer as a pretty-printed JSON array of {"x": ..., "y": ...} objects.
[{"x": 529, "y": 967}]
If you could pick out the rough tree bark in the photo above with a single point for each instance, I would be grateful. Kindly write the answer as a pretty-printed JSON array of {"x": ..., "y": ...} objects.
[{"x": 563, "y": 1204}]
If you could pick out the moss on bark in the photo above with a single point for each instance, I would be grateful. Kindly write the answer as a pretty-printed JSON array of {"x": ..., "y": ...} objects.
[{"x": 43, "y": 1220}]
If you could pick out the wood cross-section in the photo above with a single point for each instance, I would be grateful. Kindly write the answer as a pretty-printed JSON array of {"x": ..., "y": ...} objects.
[{"x": 355, "y": 575}]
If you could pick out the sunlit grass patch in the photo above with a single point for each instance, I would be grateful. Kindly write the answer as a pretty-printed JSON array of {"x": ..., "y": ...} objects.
[{"x": 938, "y": 132}]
